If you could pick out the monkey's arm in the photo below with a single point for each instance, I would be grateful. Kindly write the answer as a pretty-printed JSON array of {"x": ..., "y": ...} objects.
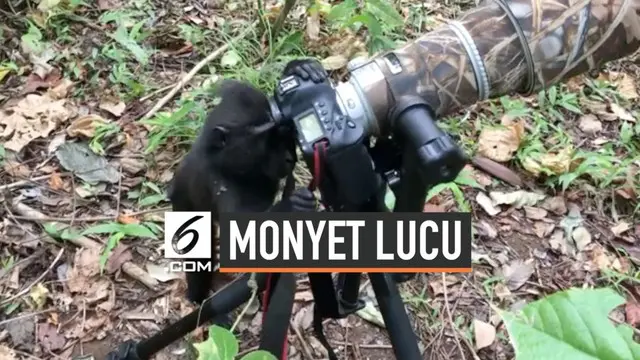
[{"x": 302, "y": 200}]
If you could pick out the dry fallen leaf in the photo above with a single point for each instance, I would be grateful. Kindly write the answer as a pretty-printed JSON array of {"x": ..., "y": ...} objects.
[
  {"x": 334, "y": 62},
  {"x": 86, "y": 265},
  {"x": 85, "y": 126},
  {"x": 517, "y": 272},
  {"x": 485, "y": 334},
  {"x": 500, "y": 143},
  {"x": 555, "y": 204},
  {"x": 437, "y": 285},
  {"x": 61, "y": 90},
  {"x": 55, "y": 182},
  {"x": 303, "y": 318},
  {"x": 501, "y": 291},
  {"x": 590, "y": 124},
  {"x": 35, "y": 116},
  {"x": 550, "y": 163},
  {"x": 487, "y": 204},
  {"x": 600, "y": 258},
  {"x": 161, "y": 273},
  {"x": 517, "y": 199},
  {"x": 16, "y": 169},
  {"x": 632, "y": 312},
  {"x": 620, "y": 228},
  {"x": 621, "y": 113},
  {"x": 535, "y": 213},
  {"x": 623, "y": 82},
  {"x": 116, "y": 109},
  {"x": 7, "y": 353},
  {"x": 543, "y": 229},
  {"x": 50, "y": 338},
  {"x": 313, "y": 26},
  {"x": 39, "y": 295},
  {"x": 581, "y": 237}
]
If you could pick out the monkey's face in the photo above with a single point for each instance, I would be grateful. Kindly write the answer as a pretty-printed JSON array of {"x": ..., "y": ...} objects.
[{"x": 279, "y": 156}]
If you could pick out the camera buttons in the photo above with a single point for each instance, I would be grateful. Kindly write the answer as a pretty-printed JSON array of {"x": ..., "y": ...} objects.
[{"x": 351, "y": 124}]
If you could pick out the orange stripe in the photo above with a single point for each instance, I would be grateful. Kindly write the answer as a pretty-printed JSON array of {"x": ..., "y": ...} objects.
[{"x": 344, "y": 270}]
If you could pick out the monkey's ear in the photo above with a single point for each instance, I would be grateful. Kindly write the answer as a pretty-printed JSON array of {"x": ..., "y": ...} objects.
[{"x": 219, "y": 136}]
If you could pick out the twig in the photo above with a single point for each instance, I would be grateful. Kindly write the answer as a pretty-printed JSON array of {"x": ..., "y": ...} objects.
[
  {"x": 194, "y": 71},
  {"x": 128, "y": 267},
  {"x": 25, "y": 316},
  {"x": 115, "y": 218},
  {"x": 254, "y": 293},
  {"x": 26, "y": 290},
  {"x": 305, "y": 347},
  {"x": 156, "y": 92},
  {"x": 453, "y": 325},
  {"x": 24, "y": 182},
  {"x": 245, "y": 352},
  {"x": 286, "y": 9},
  {"x": 73, "y": 203},
  {"x": 34, "y": 215}
]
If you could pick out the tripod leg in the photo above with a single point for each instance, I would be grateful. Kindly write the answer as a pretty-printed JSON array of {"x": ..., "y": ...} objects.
[{"x": 403, "y": 338}]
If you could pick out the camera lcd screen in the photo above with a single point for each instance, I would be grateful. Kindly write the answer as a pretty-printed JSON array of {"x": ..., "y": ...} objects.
[{"x": 310, "y": 127}]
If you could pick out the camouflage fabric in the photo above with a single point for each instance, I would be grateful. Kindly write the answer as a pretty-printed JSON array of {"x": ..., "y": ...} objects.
[{"x": 565, "y": 37}]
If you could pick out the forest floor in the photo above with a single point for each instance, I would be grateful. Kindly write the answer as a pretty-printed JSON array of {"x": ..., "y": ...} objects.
[{"x": 83, "y": 175}]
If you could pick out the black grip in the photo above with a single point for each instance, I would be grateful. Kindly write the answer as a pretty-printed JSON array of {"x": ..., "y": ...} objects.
[{"x": 441, "y": 159}]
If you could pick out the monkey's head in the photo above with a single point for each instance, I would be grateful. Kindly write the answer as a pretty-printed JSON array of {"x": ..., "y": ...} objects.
[{"x": 242, "y": 139}]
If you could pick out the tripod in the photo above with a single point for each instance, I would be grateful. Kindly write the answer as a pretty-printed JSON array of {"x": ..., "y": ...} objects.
[{"x": 403, "y": 169}]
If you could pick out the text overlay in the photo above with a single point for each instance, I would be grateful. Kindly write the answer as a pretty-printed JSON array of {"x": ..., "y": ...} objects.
[{"x": 345, "y": 242}]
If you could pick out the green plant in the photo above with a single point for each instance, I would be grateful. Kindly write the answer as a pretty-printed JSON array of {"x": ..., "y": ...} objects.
[
  {"x": 222, "y": 345},
  {"x": 571, "y": 324}
]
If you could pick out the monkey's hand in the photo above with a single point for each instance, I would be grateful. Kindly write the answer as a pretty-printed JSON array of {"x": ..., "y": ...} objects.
[
  {"x": 306, "y": 69},
  {"x": 302, "y": 200}
]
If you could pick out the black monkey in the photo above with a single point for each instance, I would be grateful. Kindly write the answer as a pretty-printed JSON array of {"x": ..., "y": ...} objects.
[{"x": 235, "y": 165}]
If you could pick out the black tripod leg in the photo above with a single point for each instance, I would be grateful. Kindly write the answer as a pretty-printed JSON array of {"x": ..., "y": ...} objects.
[
  {"x": 224, "y": 301},
  {"x": 403, "y": 339}
]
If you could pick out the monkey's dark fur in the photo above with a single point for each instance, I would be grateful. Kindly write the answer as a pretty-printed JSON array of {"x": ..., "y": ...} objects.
[{"x": 237, "y": 172}]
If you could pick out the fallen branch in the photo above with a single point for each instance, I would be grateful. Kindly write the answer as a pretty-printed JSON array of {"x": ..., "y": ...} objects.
[
  {"x": 24, "y": 182},
  {"x": 286, "y": 9},
  {"x": 193, "y": 72},
  {"x": 31, "y": 214},
  {"x": 128, "y": 267}
]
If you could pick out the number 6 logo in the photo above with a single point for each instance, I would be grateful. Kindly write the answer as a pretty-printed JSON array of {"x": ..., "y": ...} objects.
[{"x": 180, "y": 225}]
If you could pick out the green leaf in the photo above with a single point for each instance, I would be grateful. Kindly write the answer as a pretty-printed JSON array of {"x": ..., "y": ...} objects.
[
  {"x": 259, "y": 355},
  {"x": 137, "y": 230},
  {"x": 122, "y": 37},
  {"x": 366, "y": 18},
  {"x": 389, "y": 199},
  {"x": 108, "y": 228},
  {"x": 220, "y": 345},
  {"x": 572, "y": 324},
  {"x": 230, "y": 59},
  {"x": 342, "y": 11},
  {"x": 385, "y": 12},
  {"x": 152, "y": 200}
]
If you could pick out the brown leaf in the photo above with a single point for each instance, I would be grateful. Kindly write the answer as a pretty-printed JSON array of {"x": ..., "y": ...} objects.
[
  {"x": 581, "y": 237},
  {"x": 500, "y": 143},
  {"x": 543, "y": 229},
  {"x": 16, "y": 169},
  {"x": 334, "y": 62},
  {"x": 127, "y": 219},
  {"x": 624, "y": 83},
  {"x": 313, "y": 26},
  {"x": 35, "y": 82},
  {"x": 535, "y": 213},
  {"x": 551, "y": 163},
  {"x": 437, "y": 285},
  {"x": 501, "y": 291},
  {"x": 61, "y": 90},
  {"x": 108, "y": 4},
  {"x": 431, "y": 208},
  {"x": 487, "y": 204},
  {"x": 118, "y": 256},
  {"x": 517, "y": 273},
  {"x": 116, "y": 109},
  {"x": 49, "y": 337},
  {"x": 600, "y": 258},
  {"x": 620, "y": 228},
  {"x": 55, "y": 182},
  {"x": 621, "y": 113},
  {"x": 86, "y": 264},
  {"x": 85, "y": 126},
  {"x": 485, "y": 334},
  {"x": 33, "y": 117},
  {"x": 7, "y": 353},
  {"x": 632, "y": 311},
  {"x": 590, "y": 124},
  {"x": 555, "y": 204}
]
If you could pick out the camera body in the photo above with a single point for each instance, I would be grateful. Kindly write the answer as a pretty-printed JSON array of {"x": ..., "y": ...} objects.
[{"x": 329, "y": 141}]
